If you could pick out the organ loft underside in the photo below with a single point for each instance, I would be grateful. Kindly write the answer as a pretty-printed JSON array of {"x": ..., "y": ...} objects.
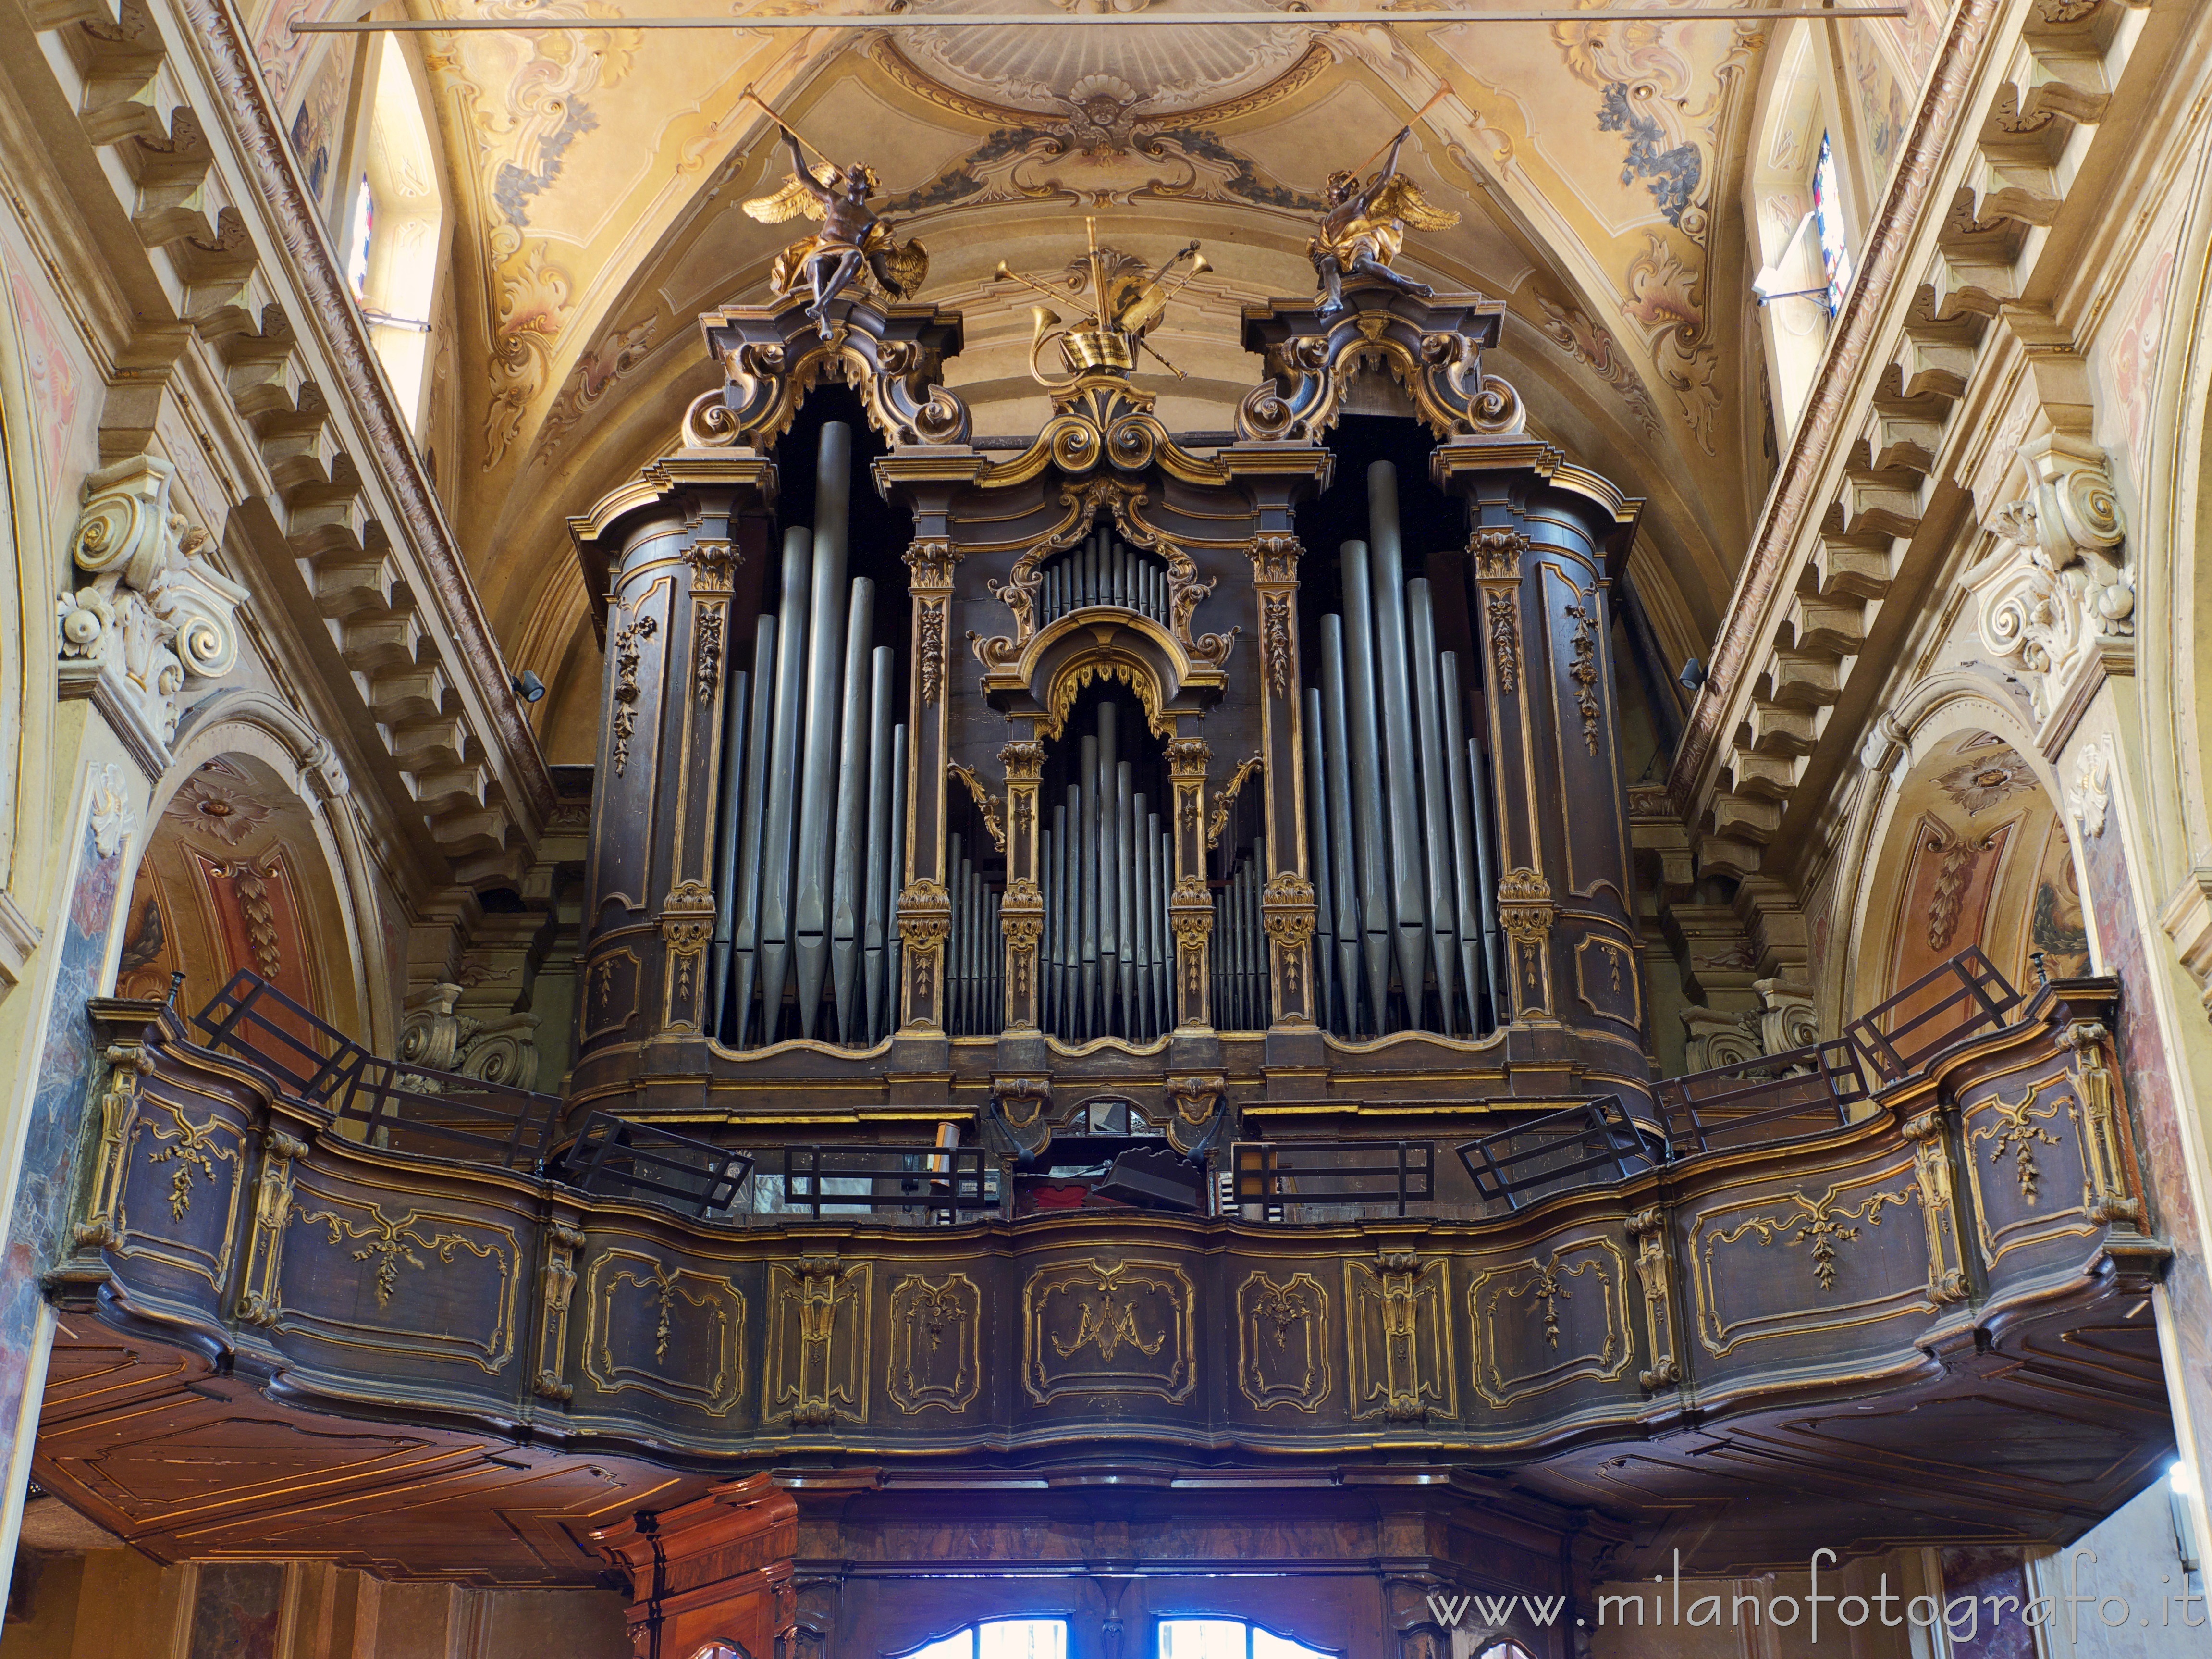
[{"x": 1218, "y": 1009}]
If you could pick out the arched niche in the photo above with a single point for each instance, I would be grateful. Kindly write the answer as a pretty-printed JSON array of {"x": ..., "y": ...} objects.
[
  {"x": 250, "y": 861},
  {"x": 1972, "y": 848}
]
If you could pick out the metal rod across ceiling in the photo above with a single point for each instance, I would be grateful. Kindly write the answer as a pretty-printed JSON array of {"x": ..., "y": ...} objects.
[{"x": 1106, "y": 20}]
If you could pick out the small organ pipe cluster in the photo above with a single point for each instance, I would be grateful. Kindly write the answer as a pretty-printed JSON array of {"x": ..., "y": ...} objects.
[
  {"x": 946, "y": 786},
  {"x": 805, "y": 936},
  {"x": 1402, "y": 860}
]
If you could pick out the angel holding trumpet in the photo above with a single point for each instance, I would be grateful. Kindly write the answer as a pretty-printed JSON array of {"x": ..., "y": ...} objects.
[
  {"x": 1365, "y": 227},
  {"x": 853, "y": 245}
]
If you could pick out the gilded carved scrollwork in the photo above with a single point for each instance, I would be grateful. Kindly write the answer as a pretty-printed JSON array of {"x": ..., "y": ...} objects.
[
  {"x": 991, "y": 808},
  {"x": 1401, "y": 1350},
  {"x": 1440, "y": 369},
  {"x": 1647, "y": 1232},
  {"x": 1947, "y": 1273},
  {"x": 556, "y": 1284},
  {"x": 2098, "y": 1089},
  {"x": 1122, "y": 503},
  {"x": 772, "y": 358},
  {"x": 1522, "y": 1312},
  {"x": 818, "y": 1324},
  {"x": 127, "y": 1062},
  {"x": 1225, "y": 802},
  {"x": 925, "y": 921},
  {"x": 258, "y": 1301}
]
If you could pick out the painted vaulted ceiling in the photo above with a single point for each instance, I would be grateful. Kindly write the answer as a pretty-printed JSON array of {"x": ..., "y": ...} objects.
[{"x": 596, "y": 174}]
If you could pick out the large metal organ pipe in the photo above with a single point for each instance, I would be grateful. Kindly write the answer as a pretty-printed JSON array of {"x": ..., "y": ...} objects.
[
  {"x": 817, "y": 757},
  {"x": 1398, "y": 828}
]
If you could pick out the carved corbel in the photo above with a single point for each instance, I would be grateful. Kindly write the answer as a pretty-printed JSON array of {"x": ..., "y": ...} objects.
[
  {"x": 2055, "y": 589},
  {"x": 127, "y": 1062},
  {"x": 1647, "y": 1231},
  {"x": 152, "y": 611},
  {"x": 257, "y": 1303},
  {"x": 1939, "y": 1209},
  {"x": 1526, "y": 912},
  {"x": 556, "y": 1284},
  {"x": 1194, "y": 1111},
  {"x": 2098, "y": 1093},
  {"x": 1019, "y": 1105}
]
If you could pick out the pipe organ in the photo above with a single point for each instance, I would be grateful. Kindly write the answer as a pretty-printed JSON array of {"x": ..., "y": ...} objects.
[{"x": 1040, "y": 777}]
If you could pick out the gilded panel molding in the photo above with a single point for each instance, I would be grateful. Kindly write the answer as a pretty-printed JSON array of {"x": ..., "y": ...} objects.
[
  {"x": 936, "y": 1360},
  {"x": 128, "y": 1063},
  {"x": 259, "y": 1302},
  {"x": 1946, "y": 1276},
  {"x": 1282, "y": 1341},
  {"x": 2097, "y": 1087},
  {"x": 399, "y": 1251},
  {"x": 636, "y": 1310},
  {"x": 1521, "y": 1311},
  {"x": 556, "y": 1285},
  {"x": 1398, "y": 1337},
  {"x": 1849, "y": 1277},
  {"x": 2006, "y": 1143},
  {"x": 1091, "y": 1327}
]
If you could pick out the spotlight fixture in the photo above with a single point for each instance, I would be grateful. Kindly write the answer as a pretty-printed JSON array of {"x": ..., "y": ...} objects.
[
  {"x": 1692, "y": 674},
  {"x": 529, "y": 686}
]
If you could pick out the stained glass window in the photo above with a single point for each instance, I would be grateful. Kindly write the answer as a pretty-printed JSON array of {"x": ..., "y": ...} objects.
[
  {"x": 1828, "y": 215},
  {"x": 363, "y": 227}
]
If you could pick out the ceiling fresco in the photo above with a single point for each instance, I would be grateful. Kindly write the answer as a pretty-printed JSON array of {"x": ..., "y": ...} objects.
[{"x": 599, "y": 173}]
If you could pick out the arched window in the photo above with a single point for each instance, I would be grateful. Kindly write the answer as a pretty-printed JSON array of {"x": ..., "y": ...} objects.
[
  {"x": 1800, "y": 219},
  {"x": 1000, "y": 1639},
  {"x": 396, "y": 222},
  {"x": 1229, "y": 1638}
]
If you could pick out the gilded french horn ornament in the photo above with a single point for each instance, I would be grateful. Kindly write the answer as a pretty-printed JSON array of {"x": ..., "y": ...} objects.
[
  {"x": 853, "y": 245},
  {"x": 1125, "y": 300},
  {"x": 1366, "y": 228}
]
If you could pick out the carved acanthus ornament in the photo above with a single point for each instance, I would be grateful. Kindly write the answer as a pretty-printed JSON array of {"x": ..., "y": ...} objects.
[
  {"x": 987, "y": 806},
  {"x": 2057, "y": 590},
  {"x": 1647, "y": 1230},
  {"x": 1583, "y": 669},
  {"x": 152, "y": 611},
  {"x": 1225, "y": 801},
  {"x": 1497, "y": 554}
]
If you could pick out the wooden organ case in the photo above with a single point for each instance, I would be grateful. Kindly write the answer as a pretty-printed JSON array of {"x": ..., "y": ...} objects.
[{"x": 1339, "y": 867}]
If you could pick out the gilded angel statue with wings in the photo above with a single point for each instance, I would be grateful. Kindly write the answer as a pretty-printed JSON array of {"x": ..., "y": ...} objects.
[
  {"x": 852, "y": 245},
  {"x": 1365, "y": 227}
]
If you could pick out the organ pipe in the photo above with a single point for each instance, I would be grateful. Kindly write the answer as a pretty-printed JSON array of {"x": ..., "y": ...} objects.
[
  {"x": 1317, "y": 855},
  {"x": 783, "y": 780},
  {"x": 1436, "y": 846},
  {"x": 1387, "y": 582},
  {"x": 847, "y": 885},
  {"x": 1335, "y": 791},
  {"x": 1477, "y": 897},
  {"x": 734, "y": 734},
  {"x": 759, "y": 734},
  {"x": 1370, "y": 805},
  {"x": 825, "y": 630},
  {"x": 877, "y": 901}
]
